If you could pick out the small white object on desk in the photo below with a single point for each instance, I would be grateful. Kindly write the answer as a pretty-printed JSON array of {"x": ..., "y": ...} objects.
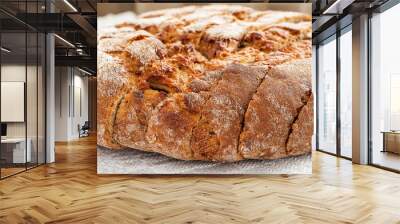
[{"x": 19, "y": 155}]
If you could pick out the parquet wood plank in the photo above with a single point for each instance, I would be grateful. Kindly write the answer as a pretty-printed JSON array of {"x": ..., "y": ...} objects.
[{"x": 70, "y": 191}]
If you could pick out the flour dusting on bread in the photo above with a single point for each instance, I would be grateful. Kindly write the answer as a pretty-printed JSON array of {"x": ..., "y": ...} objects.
[{"x": 215, "y": 82}]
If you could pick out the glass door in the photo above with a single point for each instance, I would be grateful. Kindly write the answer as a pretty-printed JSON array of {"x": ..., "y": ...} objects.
[
  {"x": 385, "y": 90},
  {"x": 22, "y": 77},
  {"x": 346, "y": 92},
  {"x": 14, "y": 153},
  {"x": 327, "y": 95}
]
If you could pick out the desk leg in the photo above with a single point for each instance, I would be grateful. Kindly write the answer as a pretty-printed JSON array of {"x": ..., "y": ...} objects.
[{"x": 384, "y": 143}]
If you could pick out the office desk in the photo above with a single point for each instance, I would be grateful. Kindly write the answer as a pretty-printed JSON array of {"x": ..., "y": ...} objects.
[
  {"x": 13, "y": 150},
  {"x": 391, "y": 141}
]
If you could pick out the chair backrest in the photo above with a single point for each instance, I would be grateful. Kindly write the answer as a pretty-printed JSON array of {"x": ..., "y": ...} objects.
[{"x": 86, "y": 125}]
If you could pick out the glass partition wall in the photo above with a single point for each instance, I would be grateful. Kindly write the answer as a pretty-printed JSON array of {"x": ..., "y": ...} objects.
[
  {"x": 334, "y": 93},
  {"x": 22, "y": 77},
  {"x": 327, "y": 95},
  {"x": 13, "y": 90},
  {"x": 345, "y": 61},
  {"x": 385, "y": 90}
]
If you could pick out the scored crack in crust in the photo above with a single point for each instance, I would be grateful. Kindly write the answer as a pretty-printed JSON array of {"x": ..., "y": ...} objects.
[
  {"x": 274, "y": 108},
  {"x": 120, "y": 58},
  {"x": 113, "y": 79},
  {"x": 215, "y": 82},
  {"x": 132, "y": 117},
  {"x": 171, "y": 124},
  {"x": 215, "y": 136},
  {"x": 302, "y": 129}
]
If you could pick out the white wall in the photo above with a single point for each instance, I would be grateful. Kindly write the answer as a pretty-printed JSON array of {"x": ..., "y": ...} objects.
[
  {"x": 62, "y": 81},
  {"x": 70, "y": 83},
  {"x": 80, "y": 108}
]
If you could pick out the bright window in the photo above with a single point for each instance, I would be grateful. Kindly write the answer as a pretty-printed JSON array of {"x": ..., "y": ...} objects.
[
  {"x": 346, "y": 93},
  {"x": 327, "y": 96},
  {"x": 385, "y": 88}
]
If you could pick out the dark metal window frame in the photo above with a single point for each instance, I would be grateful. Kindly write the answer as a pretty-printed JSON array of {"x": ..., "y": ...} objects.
[{"x": 44, "y": 77}]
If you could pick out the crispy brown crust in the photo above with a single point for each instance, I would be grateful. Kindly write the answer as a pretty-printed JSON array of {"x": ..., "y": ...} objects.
[
  {"x": 221, "y": 39},
  {"x": 120, "y": 56},
  {"x": 133, "y": 116},
  {"x": 215, "y": 136},
  {"x": 278, "y": 36},
  {"x": 189, "y": 83},
  {"x": 273, "y": 109},
  {"x": 171, "y": 124},
  {"x": 302, "y": 130},
  {"x": 273, "y": 17},
  {"x": 112, "y": 81}
]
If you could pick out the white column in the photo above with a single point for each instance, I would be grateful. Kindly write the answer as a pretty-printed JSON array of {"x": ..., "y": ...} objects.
[
  {"x": 360, "y": 90},
  {"x": 50, "y": 99}
]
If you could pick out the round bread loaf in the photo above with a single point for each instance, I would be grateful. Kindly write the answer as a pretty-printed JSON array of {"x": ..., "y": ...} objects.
[{"x": 216, "y": 83}]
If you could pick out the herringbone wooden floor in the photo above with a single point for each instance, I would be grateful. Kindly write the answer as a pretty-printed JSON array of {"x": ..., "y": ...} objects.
[{"x": 70, "y": 191}]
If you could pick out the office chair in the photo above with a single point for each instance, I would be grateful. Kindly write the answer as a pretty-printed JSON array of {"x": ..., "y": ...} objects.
[{"x": 84, "y": 130}]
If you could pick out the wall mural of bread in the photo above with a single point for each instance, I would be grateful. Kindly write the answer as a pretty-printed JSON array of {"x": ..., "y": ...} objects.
[{"x": 218, "y": 83}]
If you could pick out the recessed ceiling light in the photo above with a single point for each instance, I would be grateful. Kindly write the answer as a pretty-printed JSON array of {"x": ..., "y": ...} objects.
[
  {"x": 5, "y": 50},
  {"x": 64, "y": 40},
  {"x": 70, "y": 5},
  {"x": 84, "y": 71},
  {"x": 337, "y": 7}
]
